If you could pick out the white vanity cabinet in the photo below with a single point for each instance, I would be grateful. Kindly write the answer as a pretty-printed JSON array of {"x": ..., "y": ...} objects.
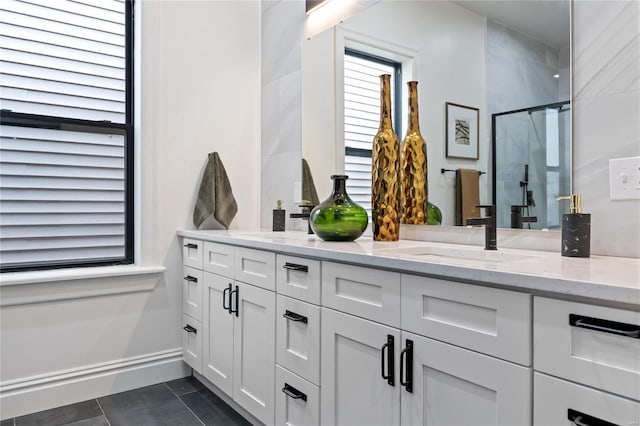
[{"x": 236, "y": 338}]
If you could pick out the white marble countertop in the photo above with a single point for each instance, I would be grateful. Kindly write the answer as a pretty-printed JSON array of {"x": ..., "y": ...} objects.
[{"x": 609, "y": 279}]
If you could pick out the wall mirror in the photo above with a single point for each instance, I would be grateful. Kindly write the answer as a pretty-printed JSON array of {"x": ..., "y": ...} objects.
[{"x": 509, "y": 59}]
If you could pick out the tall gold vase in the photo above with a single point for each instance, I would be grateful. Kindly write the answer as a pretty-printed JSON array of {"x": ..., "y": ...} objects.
[
  {"x": 385, "y": 176},
  {"x": 413, "y": 166}
]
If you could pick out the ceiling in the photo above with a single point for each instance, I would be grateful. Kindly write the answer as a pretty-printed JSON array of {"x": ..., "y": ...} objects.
[{"x": 544, "y": 20}]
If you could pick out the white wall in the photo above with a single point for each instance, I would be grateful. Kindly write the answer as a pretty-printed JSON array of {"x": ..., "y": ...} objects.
[{"x": 200, "y": 87}]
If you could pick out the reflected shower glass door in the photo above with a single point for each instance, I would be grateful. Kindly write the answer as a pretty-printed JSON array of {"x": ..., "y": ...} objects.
[{"x": 531, "y": 165}]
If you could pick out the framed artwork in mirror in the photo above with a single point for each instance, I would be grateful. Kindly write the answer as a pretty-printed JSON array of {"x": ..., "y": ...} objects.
[{"x": 462, "y": 131}]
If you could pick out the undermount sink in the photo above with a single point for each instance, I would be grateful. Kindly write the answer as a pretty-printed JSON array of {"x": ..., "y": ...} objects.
[{"x": 462, "y": 253}]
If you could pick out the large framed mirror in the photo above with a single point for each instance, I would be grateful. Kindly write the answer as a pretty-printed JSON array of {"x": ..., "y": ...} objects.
[{"x": 496, "y": 56}]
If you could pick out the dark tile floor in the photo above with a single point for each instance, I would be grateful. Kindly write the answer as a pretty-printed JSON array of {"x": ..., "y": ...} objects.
[{"x": 179, "y": 402}]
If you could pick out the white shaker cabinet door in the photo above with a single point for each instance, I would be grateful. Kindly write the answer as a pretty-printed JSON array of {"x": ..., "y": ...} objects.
[
  {"x": 254, "y": 350},
  {"x": 455, "y": 386},
  {"x": 353, "y": 391},
  {"x": 218, "y": 332}
]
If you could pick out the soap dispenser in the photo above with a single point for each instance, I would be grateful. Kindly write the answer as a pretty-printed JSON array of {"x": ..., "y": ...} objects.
[
  {"x": 576, "y": 229},
  {"x": 278, "y": 217}
]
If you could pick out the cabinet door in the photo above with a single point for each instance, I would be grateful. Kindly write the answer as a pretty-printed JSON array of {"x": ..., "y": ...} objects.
[
  {"x": 353, "y": 391},
  {"x": 455, "y": 386},
  {"x": 218, "y": 333},
  {"x": 254, "y": 350}
]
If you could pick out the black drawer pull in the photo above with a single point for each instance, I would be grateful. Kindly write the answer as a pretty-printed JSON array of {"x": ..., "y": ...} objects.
[
  {"x": 224, "y": 299},
  {"x": 231, "y": 294},
  {"x": 292, "y": 316},
  {"x": 406, "y": 366},
  {"x": 606, "y": 326},
  {"x": 295, "y": 267},
  {"x": 190, "y": 329},
  {"x": 294, "y": 393},
  {"x": 389, "y": 377},
  {"x": 190, "y": 278},
  {"x": 581, "y": 419},
  {"x": 191, "y": 245}
]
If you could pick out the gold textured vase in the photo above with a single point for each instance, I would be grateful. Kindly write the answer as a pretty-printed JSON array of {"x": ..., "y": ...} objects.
[
  {"x": 385, "y": 175},
  {"x": 413, "y": 166}
]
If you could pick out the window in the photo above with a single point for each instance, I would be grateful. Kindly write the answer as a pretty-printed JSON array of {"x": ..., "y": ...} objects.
[
  {"x": 362, "y": 117},
  {"x": 66, "y": 135}
]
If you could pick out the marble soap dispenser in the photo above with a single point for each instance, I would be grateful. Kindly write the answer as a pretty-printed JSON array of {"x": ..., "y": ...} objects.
[{"x": 576, "y": 229}]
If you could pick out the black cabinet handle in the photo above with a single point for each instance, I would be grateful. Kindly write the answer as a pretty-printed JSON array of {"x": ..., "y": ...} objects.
[
  {"x": 190, "y": 329},
  {"x": 292, "y": 316},
  {"x": 224, "y": 298},
  {"x": 295, "y": 267},
  {"x": 191, "y": 245},
  {"x": 606, "y": 326},
  {"x": 581, "y": 419},
  {"x": 389, "y": 377},
  {"x": 406, "y": 362},
  {"x": 237, "y": 309},
  {"x": 294, "y": 393},
  {"x": 190, "y": 278}
]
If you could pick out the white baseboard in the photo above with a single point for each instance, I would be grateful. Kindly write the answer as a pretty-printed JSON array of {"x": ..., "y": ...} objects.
[{"x": 32, "y": 394}]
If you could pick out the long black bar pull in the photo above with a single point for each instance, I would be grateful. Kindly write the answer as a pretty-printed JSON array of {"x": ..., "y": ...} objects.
[
  {"x": 292, "y": 316},
  {"x": 191, "y": 279},
  {"x": 295, "y": 267},
  {"x": 224, "y": 299},
  {"x": 191, "y": 246},
  {"x": 606, "y": 326},
  {"x": 406, "y": 366},
  {"x": 237, "y": 309},
  {"x": 390, "y": 361},
  {"x": 294, "y": 393},
  {"x": 581, "y": 419},
  {"x": 190, "y": 329}
]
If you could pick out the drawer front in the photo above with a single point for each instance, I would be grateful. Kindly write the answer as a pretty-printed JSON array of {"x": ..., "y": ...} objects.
[
  {"x": 218, "y": 259},
  {"x": 487, "y": 320},
  {"x": 300, "y": 405},
  {"x": 558, "y": 402},
  {"x": 298, "y": 337},
  {"x": 256, "y": 267},
  {"x": 192, "y": 292},
  {"x": 298, "y": 277},
  {"x": 192, "y": 342},
  {"x": 368, "y": 293},
  {"x": 601, "y": 349},
  {"x": 192, "y": 253}
]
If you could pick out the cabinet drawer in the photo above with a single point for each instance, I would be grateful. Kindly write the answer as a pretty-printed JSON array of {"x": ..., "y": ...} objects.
[
  {"x": 557, "y": 402},
  {"x": 255, "y": 267},
  {"x": 192, "y": 342},
  {"x": 192, "y": 253},
  {"x": 368, "y": 293},
  {"x": 298, "y": 337},
  {"x": 218, "y": 259},
  {"x": 593, "y": 345},
  {"x": 298, "y": 277},
  {"x": 300, "y": 405},
  {"x": 192, "y": 292},
  {"x": 487, "y": 320}
]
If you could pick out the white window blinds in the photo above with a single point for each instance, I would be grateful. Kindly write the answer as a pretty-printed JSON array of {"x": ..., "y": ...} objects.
[
  {"x": 362, "y": 119},
  {"x": 63, "y": 139}
]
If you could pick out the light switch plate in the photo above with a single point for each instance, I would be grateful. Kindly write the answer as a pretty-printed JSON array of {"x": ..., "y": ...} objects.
[{"x": 624, "y": 178}]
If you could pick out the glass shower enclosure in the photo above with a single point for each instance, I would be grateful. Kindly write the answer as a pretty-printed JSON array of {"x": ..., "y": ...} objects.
[{"x": 531, "y": 165}]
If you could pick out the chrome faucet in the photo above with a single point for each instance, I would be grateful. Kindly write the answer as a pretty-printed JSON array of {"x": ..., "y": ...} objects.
[
  {"x": 306, "y": 207},
  {"x": 489, "y": 222}
]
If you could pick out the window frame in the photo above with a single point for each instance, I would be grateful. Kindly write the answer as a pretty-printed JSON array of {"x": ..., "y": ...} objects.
[{"x": 11, "y": 118}]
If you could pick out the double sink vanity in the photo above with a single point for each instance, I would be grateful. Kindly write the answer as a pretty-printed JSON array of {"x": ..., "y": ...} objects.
[{"x": 300, "y": 331}]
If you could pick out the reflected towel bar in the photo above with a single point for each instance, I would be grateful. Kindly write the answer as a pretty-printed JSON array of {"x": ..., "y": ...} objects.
[{"x": 451, "y": 170}]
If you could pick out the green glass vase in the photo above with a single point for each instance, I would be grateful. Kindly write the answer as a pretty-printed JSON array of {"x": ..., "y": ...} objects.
[
  {"x": 434, "y": 215},
  {"x": 338, "y": 218}
]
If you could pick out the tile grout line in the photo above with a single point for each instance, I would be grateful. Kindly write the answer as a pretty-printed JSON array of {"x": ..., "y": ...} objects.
[
  {"x": 103, "y": 413},
  {"x": 183, "y": 403}
]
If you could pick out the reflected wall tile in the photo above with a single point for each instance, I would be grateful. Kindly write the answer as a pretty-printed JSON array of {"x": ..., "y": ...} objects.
[
  {"x": 280, "y": 172},
  {"x": 282, "y": 31}
]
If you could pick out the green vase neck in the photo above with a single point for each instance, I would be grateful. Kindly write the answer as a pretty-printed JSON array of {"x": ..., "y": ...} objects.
[
  {"x": 339, "y": 186},
  {"x": 385, "y": 102},
  {"x": 413, "y": 119}
]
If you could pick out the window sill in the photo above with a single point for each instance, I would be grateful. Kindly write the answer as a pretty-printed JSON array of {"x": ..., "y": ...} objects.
[{"x": 19, "y": 288}]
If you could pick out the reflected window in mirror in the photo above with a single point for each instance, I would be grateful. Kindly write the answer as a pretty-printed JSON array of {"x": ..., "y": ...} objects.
[{"x": 362, "y": 116}]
